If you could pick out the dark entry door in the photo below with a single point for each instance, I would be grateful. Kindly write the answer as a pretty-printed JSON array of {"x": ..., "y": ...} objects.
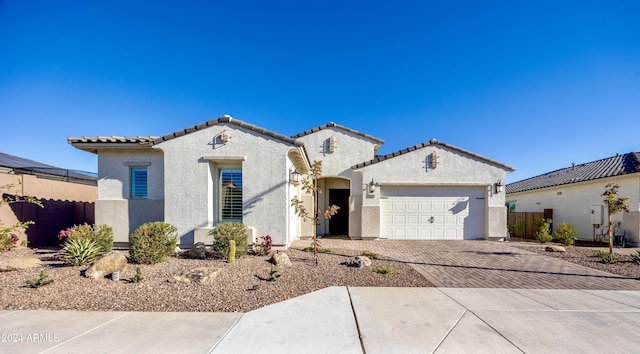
[{"x": 339, "y": 223}]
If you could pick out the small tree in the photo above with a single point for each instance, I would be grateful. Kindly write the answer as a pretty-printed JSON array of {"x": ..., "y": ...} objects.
[
  {"x": 615, "y": 205},
  {"x": 310, "y": 186},
  {"x": 8, "y": 239}
]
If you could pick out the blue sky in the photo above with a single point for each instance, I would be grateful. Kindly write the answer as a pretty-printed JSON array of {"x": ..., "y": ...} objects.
[{"x": 533, "y": 84}]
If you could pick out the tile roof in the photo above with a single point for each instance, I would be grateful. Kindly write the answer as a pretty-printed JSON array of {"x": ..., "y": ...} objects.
[
  {"x": 230, "y": 120},
  {"x": 429, "y": 143},
  {"x": 608, "y": 167},
  {"x": 113, "y": 139},
  {"x": 341, "y": 127}
]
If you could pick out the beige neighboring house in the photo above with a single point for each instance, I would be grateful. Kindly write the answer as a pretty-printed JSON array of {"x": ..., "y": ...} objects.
[
  {"x": 229, "y": 170},
  {"x": 575, "y": 195},
  {"x": 68, "y": 197}
]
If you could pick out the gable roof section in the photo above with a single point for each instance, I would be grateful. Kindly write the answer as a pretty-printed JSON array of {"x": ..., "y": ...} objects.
[
  {"x": 91, "y": 143},
  {"x": 227, "y": 119},
  {"x": 608, "y": 167},
  {"x": 340, "y": 127},
  {"x": 431, "y": 142}
]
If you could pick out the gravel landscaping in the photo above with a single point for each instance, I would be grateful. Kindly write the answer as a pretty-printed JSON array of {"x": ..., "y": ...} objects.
[
  {"x": 240, "y": 287},
  {"x": 586, "y": 256}
]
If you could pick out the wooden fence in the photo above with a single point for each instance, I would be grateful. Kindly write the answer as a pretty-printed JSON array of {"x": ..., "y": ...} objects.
[{"x": 525, "y": 224}]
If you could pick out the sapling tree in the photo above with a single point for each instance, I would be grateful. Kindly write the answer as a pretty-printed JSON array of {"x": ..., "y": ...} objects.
[
  {"x": 8, "y": 239},
  {"x": 310, "y": 186},
  {"x": 615, "y": 205}
]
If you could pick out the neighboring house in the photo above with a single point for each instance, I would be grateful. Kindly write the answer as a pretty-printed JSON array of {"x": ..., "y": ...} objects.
[
  {"x": 67, "y": 196},
  {"x": 575, "y": 195},
  {"x": 229, "y": 170}
]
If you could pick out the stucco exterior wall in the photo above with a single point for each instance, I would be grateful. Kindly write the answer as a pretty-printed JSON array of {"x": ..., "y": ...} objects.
[
  {"x": 573, "y": 203},
  {"x": 454, "y": 169},
  {"x": 350, "y": 150},
  {"x": 192, "y": 165},
  {"x": 114, "y": 206}
]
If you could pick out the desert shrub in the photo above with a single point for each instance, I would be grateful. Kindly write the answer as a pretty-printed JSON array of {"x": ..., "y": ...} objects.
[
  {"x": 636, "y": 257},
  {"x": 386, "y": 271},
  {"x": 607, "y": 257},
  {"x": 263, "y": 247},
  {"x": 274, "y": 274},
  {"x": 320, "y": 249},
  {"x": 370, "y": 254},
  {"x": 565, "y": 234},
  {"x": 153, "y": 242},
  {"x": 80, "y": 251},
  {"x": 42, "y": 280},
  {"x": 544, "y": 234},
  {"x": 100, "y": 234},
  {"x": 8, "y": 241},
  {"x": 137, "y": 277},
  {"x": 520, "y": 227},
  {"x": 224, "y": 232}
]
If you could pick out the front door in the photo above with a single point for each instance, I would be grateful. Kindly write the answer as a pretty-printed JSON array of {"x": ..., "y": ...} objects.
[{"x": 339, "y": 223}]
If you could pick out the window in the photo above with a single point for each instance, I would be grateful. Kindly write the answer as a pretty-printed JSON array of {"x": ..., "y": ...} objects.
[
  {"x": 138, "y": 182},
  {"x": 230, "y": 194}
]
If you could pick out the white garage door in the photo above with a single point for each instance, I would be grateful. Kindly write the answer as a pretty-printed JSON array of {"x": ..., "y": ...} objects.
[{"x": 418, "y": 213}]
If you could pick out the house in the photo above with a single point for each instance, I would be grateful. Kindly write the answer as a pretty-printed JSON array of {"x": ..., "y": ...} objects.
[
  {"x": 68, "y": 198},
  {"x": 229, "y": 170},
  {"x": 574, "y": 194}
]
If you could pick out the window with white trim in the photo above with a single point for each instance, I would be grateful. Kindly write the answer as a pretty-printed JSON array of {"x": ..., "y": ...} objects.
[
  {"x": 138, "y": 183},
  {"x": 230, "y": 194}
]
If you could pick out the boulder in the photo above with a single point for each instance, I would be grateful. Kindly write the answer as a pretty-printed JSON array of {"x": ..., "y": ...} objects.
[
  {"x": 201, "y": 275},
  {"x": 555, "y": 249},
  {"x": 107, "y": 264},
  {"x": 363, "y": 261},
  {"x": 280, "y": 259},
  {"x": 197, "y": 250},
  {"x": 19, "y": 263}
]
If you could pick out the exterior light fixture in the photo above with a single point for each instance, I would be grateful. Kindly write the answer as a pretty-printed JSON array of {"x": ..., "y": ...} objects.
[
  {"x": 332, "y": 145},
  {"x": 225, "y": 136},
  {"x": 294, "y": 176},
  {"x": 433, "y": 160},
  {"x": 371, "y": 188},
  {"x": 499, "y": 187}
]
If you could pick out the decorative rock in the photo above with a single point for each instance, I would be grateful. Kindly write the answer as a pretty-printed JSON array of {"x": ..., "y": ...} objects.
[
  {"x": 19, "y": 263},
  {"x": 280, "y": 259},
  {"x": 363, "y": 261},
  {"x": 107, "y": 264},
  {"x": 199, "y": 275},
  {"x": 555, "y": 249},
  {"x": 197, "y": 250},
  {"x": 178, "y": 251}
]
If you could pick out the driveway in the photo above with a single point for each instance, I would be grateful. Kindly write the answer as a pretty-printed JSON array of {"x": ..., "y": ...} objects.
[{"x": 485, "y": 264}]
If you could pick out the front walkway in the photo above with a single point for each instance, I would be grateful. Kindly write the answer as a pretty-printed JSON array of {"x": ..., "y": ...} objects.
[{"x": 485, "y": 264}]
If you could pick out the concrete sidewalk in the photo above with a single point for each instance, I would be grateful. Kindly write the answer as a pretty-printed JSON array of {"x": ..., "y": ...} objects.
[{"x": 351, "y": 320}]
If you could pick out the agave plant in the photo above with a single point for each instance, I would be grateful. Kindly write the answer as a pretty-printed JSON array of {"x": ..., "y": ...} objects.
[{"x": 80, "y": 251}]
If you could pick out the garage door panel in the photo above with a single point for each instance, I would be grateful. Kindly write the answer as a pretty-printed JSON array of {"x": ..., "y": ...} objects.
[
  {"x": 413, "y": 219},
  {"x": 430, "y": 213}
]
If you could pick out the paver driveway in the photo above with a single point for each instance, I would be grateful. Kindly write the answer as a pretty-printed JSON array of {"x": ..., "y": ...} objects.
[{"x": 485, "y": 264}]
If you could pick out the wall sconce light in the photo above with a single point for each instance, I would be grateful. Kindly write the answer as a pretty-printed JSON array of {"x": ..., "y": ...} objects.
[
  {"x": 433, "y": 160},
  {"x": 225, "y": 136},
  {"x": 294, "y": 176},
  {"x": 331, "y": 145},
  {"x": 371, "y": 188},
  {"x": 499, "y": 187}
]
